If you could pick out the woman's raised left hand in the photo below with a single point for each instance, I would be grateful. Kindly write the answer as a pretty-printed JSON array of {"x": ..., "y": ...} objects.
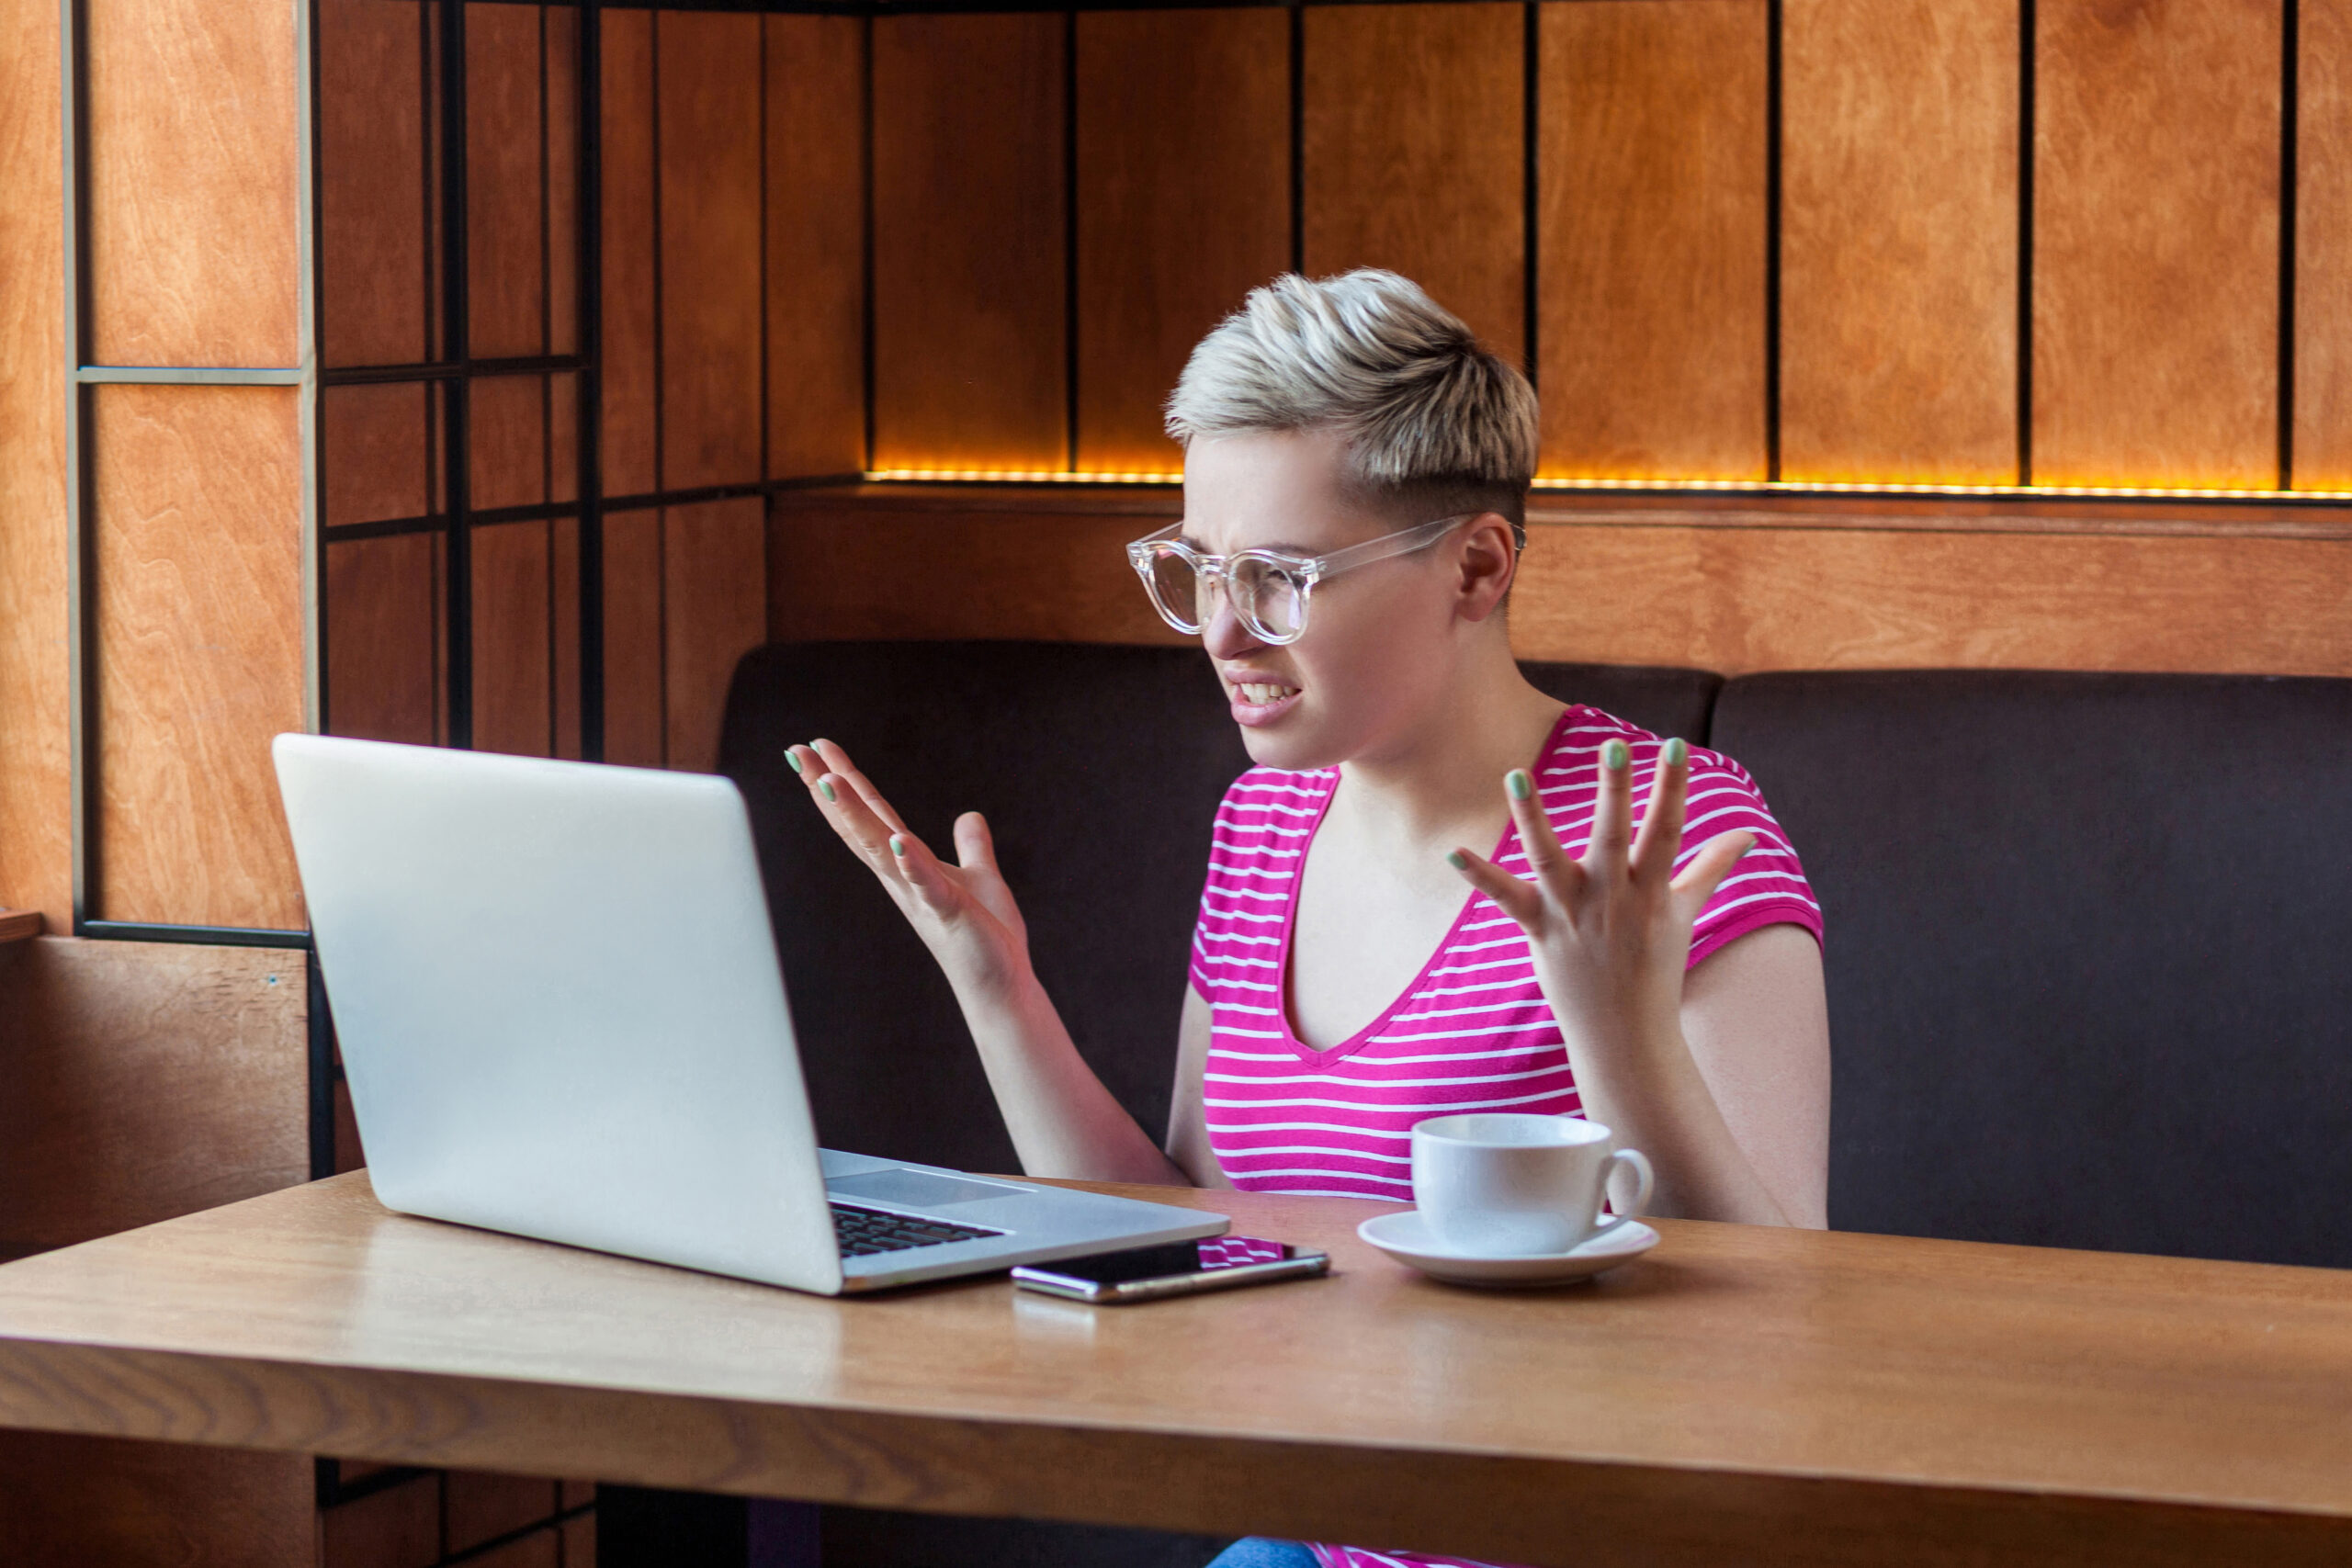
[{"x": 1610, "y": 931}]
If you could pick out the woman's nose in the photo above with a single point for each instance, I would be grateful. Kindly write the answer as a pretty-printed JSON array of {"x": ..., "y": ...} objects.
[{"x": 1221, "y": 633}]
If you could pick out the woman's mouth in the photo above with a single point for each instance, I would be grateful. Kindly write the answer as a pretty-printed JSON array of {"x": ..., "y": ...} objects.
[{"x": 1260, "y": 702}]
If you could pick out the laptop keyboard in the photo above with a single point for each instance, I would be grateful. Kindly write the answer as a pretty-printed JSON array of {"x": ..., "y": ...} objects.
[{"x": 863, "y": 1232}]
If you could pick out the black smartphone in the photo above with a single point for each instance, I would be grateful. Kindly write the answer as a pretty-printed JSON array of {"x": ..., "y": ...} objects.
[{"x": 1179, "y": 1269}]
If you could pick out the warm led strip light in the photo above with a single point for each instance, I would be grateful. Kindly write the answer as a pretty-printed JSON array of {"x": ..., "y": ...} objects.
[{"x": 1734, "y": 486}]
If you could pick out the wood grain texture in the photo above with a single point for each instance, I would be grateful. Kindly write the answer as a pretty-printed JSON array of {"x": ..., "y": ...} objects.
[
  {"x": 969, "y": 337},
  {"x": 36, "y": 792},
  {"x": 21, "y": 925},
  {"x": 383, "y": 606},
  {"x": 1183, "y": 206},
  {"x": 886, "y": 573},
  {"x": 629, "y": 445},
  {"x": 564, "y": 635},
  {"x": 145, "y": 1080},
  {"x": 507, "y": 452},
  {"x": 371, "y": 182},
  {"x": 512, "y": 605},
  {"x": 714, "y": 574},
  {"x": 1898, "y": 241},
  {"x": 635, "y": 725},
  {"x": 709, "y": 93},
  {"x": 562, "y": 205},
  {"x": 505, "y": 200},
  {"x": 200, "y": 651},
  {"x": 481, "y": 1506},
  {"x": 1652, "y": 214},
  {"x": 814, "y": 74},
  {"x": 192, "y": 221},
  {"x": 1742, "y": 1393},
  {"x": 398, "y": 1527},
  {"x": 2156, "y": 243},
  {"x": 375, "y": 457},
  {"x": 1414, "y": 150},
  {"x": 98, "y": 1501},
  {"x": 2322, "y": 444}
]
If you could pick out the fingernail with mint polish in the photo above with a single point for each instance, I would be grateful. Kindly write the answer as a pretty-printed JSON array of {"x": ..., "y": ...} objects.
[
  {"x": 898, "y": 846},
  {"x": 1520, "y": 786},
  {"x": 1614, "y": 756},
  {"x": 1677, "y": 752},
  {"x": 1458, "y": 860},
  {"x": 794, "y": 758},
  {"x": 825, "y": 788}
]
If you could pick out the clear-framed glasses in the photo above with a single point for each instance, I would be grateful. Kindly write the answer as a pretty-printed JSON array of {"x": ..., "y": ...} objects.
[{"x": 1269, "y": 589}]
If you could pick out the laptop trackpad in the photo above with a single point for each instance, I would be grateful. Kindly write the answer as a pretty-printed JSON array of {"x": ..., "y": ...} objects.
[{"x": 918, "y": 1189}]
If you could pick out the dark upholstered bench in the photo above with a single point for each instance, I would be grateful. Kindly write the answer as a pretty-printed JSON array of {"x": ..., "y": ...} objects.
[{"x": 2089, "y": 945}]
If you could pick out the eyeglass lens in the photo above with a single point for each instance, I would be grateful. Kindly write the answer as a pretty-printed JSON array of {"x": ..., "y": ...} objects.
[{"x": 1267, "y": 598}]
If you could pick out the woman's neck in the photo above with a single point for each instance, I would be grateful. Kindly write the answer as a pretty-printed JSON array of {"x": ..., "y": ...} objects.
[{"x": 1443, "y": 771}]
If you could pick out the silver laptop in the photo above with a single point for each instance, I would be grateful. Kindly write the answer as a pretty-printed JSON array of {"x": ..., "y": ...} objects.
[{"x": 561, "y": 1015}]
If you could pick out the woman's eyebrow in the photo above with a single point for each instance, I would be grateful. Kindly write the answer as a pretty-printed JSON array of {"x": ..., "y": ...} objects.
[{"x": 1281, "y": 547}]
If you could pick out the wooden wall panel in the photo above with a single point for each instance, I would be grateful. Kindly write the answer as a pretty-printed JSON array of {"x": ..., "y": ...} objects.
[
  {"x": 2322, "y": 445},
  {"x": 1415, "y": 152},
  {"x": 1183, "y": 206},
  {"x": 513, "y": 606},
  {"x": 383, "y": 620},
  {"x": 882, "y": 572},
  {"x": 113, "y": 1502},
  {"x": 561, "y": 209},
  {"x": 709, "y": 96},
  {"x": 1682, "y": 590},
  {"x": 145, "y": 1080},
  {"x": 564, "y": 635},
  {"x": 199, "y": 662},
  {"x": 371, "y": 182},
  {"x": 36, "y": 800},
  {"x": 508, "y": 453},
  {"x": 628, "y": 445},
  {"x": 375, "y": 457},
  {"x": 1899, "y": 241},
  {"x": 2156, "y": 243},
  {"x": 714, "y": 576},
  {"x": 505, "y": 209},
  {"x": 634, "y": 722},
  {"x": 969, "y": 337},
  {"x": 816, "y": 301},
  {"x": 1652, "y": 220},
  {"x": 192, "y": 221}
]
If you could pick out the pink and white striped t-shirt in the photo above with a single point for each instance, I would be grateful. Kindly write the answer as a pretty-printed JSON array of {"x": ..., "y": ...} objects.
[{"x": 1472, "y": 1032}]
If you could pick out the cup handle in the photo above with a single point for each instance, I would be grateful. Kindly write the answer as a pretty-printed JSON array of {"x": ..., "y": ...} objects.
[{"x": 1644, "y": 1180}]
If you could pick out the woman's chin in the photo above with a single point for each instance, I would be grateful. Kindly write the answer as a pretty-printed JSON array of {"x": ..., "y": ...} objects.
[{"x": 1293, "y": 748}]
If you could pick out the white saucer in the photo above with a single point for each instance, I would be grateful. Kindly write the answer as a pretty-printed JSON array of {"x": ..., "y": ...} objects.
[{"x": 1405, "y": 1237}]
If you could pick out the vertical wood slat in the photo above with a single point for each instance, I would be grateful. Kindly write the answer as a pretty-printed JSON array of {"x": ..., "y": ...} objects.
[
  {"x": 505, "y": 202},
  {"x": 815, "y": 283},
  {"x": 709, "y": 106},
  {"x": 1183, "y": 206},
  {"x": 1413, "y": 125},
  {"x": 374, "y": 464},
  {"x": 192, "y": 219},
  {"x": 2156, "y": 243},
  {"x": 200, "y": 651},
  {"x": 382, "y": 621},
  {"x": 2322, "y": 444},
  {"x": 36, "y": 801},
  {"x": 628, "y": 443},
  {"x": 1899, "y": 241},
  {"x": 969, "y": 368},
  {"x": 371, "y": 170},
  {"x": 506, "y": 444},
  {"x": 1652, "y": 208},
  {"x": 713, "y": 571},
  {"x": 513, "y": 606},
  {"x": 635, "y": 722},
  {"x": 561, "y": 207}
]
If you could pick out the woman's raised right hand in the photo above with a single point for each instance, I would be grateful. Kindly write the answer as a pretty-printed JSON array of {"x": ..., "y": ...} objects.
[{"x": 964, "y": 912}]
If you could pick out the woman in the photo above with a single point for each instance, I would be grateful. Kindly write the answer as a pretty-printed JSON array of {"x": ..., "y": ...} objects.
[{"x": 1355, "y": 479}]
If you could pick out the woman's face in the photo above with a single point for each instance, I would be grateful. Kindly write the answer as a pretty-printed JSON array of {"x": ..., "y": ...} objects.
[{"x": 1380, "y": 638}]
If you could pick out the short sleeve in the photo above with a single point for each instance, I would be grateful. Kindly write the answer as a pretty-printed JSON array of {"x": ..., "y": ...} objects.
[{"x": 1768, "y": 888}]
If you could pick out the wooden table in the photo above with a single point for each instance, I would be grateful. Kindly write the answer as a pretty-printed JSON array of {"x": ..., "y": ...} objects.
[{"x": 1741, "y": 1396}]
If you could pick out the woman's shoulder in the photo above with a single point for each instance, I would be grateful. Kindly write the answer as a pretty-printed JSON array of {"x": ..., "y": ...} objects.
[{"x": 1583, "y": 730}]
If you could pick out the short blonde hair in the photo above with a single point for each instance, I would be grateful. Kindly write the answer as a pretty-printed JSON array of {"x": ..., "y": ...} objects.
[{"x": 1433, "y": 421}]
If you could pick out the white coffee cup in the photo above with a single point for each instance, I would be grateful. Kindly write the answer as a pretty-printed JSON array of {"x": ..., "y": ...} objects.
[{"x": 1509, "y": 1185}]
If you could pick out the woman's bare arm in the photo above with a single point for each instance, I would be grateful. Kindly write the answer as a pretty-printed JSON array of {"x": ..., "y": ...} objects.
[
  {"x": 1756, "y": 1018},
  {"x": 1188, "y": 1127},
  {"x": 1063, "y": 1122}
]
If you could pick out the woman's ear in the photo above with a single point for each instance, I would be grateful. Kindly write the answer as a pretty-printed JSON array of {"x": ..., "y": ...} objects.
[{"x": 1489, "y": 562}]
